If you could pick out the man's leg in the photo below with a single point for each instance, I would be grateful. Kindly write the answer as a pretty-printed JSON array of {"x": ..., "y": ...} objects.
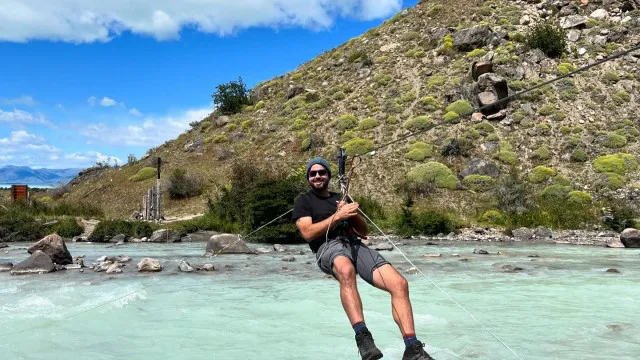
[
  {"x": 387, "y": 278},
  {"x": 345, "y": 273}
]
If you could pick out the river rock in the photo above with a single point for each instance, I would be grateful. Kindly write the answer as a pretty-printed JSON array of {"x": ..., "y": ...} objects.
[
  {"x": 480, "y": 252},
  {"x": 5, "y": 266},
  {"x": 149, "y": 264},
  {"x": 511, "y": 268},
  {"x": 3, "y": 245},
  {"x": 543, "y": 233},
  {"x": 207, "y": 267},
  {"x": 55, "y": 248},
  {"x": 186, "y": 267},
  {"x": 202, "y": 236},
  {"x": 522, "y": 233},
  {"x": 115, "y": 268},
  {"x": 613, "y": 271},
  {"x": 165, "y": 235},
  {"x": 630, "y": 238},
  {"x": 279, "y": 248},
  {"x": 37, "y": 263},
  {"x": 383, "y": 246},
  {"x": 289, "y": 259},
  {"x": 226, "y": 244},
  {"x": 120, "y": 238},
  {"x": 615, "y": 243}
]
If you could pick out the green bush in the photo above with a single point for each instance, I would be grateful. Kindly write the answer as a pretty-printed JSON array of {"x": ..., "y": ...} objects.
[
  {"x": 610, "y": 181},
  {"x": 436, "y": 81},
  {"x": 485, "y": 127},
  {"x": 183, "y": 186},
  {"x": 621, "y": 97},
  {"x": 418, "y": 123},
  {"x": 540, "y": 174},
  {"x": 430, "y": 103},
  {"x": 479, "y": 183},
  {"x": 358, "y": 146},
  {"x": 556, "y": 192},
  {"x": 107, "y": 229},
  {"x": 432, "y": 173},
  {"x": 368, "y": 123},
  {"x": 542, "y": 153},
  {"x": 419, "y": 151},
  {"x": 67, "y": 228},
  {"x": 565, "y": 68},
  {"x": 580, "y": 198},
  {"x": 452, "y": 117},
  {"x": 492, "y": 137},
  {"x": 579, "y": 156},
  {"x": 409, "y": 36},
  {"x": 619, "y": 163},
  {"x": 144, "y": 174},
  {"x": 614, "y": 140},
  {"x": 219, "y": 139},
  {"x": 507, "y": 157},
  {"x": 546, "y": 110},
  {"x": 383, "y": 79},
  {"x": 493, "y": 217},
  {"x": 339, "y": 96},
  {"x": 259, "y": 105},
  {"x": 426, "y": 222},
  {"x": 346, "y": 122},
  {"x": 548, "y": 37},
  {"x": 477, "y": 53},
  {"x": 231, "y": 98},
  {"x": 462, "y": 107}
]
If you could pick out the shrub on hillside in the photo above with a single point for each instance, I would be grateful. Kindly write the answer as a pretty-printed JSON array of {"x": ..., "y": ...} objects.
[
  {"x": 230, "y": 98},
  {"x": 418, "y": 123},
  {"x": 144, "y": 174},
  {"x": 540, "y": 174},
  {"x": 368, "y": 123},
  {"x": 462, "y": 107},
  {"x": 548, "y": 37},
  {"x": 434, "y": 173},
  {"x": 183, "y": 186},
  {"x": 358, "y": 146},
  {"x": 619, "y": 163},
  {"x": 346, "y": 122},
  {"x": 17, "y": 225},
  {"x": 479, "y": 183},
  {"x": 67, "y": 228},
  {"x": 419, "y": 151}
]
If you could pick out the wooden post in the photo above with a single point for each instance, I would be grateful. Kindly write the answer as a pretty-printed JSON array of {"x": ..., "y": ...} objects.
[
  {"x": 149, "y": 204},
  {"x": 144, "y": 208},
  {"x": 158, "y": 193}
]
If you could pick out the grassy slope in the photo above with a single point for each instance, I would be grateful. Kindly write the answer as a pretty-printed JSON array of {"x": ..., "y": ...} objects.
[{"x": 271, "y": 133}]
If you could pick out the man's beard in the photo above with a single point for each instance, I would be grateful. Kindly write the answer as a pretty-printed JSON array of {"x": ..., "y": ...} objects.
[{"x": 323, "y": 186}]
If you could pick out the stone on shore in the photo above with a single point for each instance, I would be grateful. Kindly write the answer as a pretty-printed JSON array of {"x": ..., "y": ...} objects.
[
  {"x": 149, "y": 265},
  {"x": 55, "y": 248},
  {"x": 226, "y": 244},
  {"x": 5, "y": 266},
  {"x": 385, "y": 246},
  {"x": 630, "y": 237},
  {"x": 37, "y": 263},
  {"x": 165, "y": 235},
  {"x": 615, "y": 243}
]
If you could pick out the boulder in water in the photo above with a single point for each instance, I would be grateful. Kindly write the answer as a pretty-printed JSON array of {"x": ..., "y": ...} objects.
[
  {"x": 615, "y": 243},
  {"x": 149, "y": 264},
  {"x": 186, "y": 267},
  {"x": 55, "y": 248},
  {"x": 37, "y": 263},
  {"x": 226, "y": 244},
  {"x": 5, "y": 266},
  {"x": 630, "y": 238},
  {"x": 383, "y": 246}
]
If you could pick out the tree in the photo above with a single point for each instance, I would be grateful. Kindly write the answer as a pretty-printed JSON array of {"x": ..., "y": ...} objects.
[{"x": 231, "y": 97}]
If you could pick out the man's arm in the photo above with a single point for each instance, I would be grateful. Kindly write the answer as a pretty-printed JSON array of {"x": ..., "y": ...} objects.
[{"x": 310, "y": 231}]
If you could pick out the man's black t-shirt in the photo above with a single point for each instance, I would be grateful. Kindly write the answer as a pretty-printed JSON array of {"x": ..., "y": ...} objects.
[{"x": 318, "y": 208}]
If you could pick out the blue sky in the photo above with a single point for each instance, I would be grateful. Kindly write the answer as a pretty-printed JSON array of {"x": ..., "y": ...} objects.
[{"x": 86, "y": 80}]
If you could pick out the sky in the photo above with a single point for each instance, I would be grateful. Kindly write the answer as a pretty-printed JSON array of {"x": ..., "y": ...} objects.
[{"x": 86, "y": 81}]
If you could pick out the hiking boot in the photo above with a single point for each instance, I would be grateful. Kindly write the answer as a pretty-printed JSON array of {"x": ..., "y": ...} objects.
[
  {"x": 366, "y": 347},
  {"x": 416, "y": 352}
]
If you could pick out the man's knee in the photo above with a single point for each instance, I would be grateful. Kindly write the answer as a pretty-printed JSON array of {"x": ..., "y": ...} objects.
[{"x": 344, "y": 269}]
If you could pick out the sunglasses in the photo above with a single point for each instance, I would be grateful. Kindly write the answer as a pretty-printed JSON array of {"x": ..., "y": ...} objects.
[{"x": 319, "y": 172}]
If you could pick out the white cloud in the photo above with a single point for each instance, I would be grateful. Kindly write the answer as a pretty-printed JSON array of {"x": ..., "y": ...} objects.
[
  {"x": 83, "y": 21},
  {"x": 106, "y": 102},
  {"x": 92, "y": 100},
  {"x": 151, "y": 132},
  {"x": 89, "y": 158},
  {"x": 22, "y": 100},
  {"x": 22, "y": 117},
  {"x": 135, "y": 112},
  {"x": 22, "y": 140}
]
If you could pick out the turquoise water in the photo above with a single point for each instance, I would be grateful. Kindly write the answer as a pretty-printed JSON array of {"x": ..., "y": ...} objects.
[{"x": 562, "y": 306}]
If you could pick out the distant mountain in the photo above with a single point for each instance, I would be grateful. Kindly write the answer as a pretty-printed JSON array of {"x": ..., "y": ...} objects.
[{"x": 46, "y": 177}]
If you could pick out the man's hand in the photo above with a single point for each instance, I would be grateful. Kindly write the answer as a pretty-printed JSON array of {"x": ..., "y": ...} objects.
[{"x": 346, "y": 210}]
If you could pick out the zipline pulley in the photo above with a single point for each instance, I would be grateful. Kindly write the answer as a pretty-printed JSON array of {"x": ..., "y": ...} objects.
[{"x": 342, "y": 176}]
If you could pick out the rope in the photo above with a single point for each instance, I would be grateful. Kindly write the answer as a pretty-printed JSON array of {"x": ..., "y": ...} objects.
[
  {"x": 503, "y": 100},
  {"x": 438, "y": 287}
]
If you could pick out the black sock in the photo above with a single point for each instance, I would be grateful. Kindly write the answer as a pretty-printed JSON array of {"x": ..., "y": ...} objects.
[
  {"x": 359, "y": 327},
  {"x": 410, "y": 339}
]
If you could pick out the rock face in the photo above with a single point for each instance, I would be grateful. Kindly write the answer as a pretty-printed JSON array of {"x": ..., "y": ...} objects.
[
  {"x": 5, "y": 266},
  {"x": 630, "y": 238},
  {"x": 226, "y": 244},
  {"x": 480, "y": 167},
  {"x": 165, "y": 235},
  {"x": 149, "y": 265},
  {"x": 55, "y": 248},
  {"x": 472, "y": 38},
  {"x": 489, "y": 89},
  {"x": 37, "y": 263}
]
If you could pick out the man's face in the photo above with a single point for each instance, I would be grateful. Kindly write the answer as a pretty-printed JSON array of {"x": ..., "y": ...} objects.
[{"x": 318, "y": 177}]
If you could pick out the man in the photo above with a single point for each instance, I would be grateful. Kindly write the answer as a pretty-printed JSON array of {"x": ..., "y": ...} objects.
[{"x": 343, "y": 255}]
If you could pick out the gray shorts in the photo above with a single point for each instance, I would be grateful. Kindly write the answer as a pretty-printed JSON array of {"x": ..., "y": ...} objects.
[{"x": 364, "y": 259}]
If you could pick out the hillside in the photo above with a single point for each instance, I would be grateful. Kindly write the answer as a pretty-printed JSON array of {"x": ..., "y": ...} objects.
[{"x": 406, "y": 73}]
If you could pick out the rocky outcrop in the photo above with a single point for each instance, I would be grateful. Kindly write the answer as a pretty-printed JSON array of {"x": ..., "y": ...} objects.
[
  {"x": 630, "y": 238},
  {"x": 55, "y": 248},
  {"x": 472, "y": 38},
  {"x": 37, "y": 263},
  {"x": 149, "y": 265},
  {"x": 5, "y": 266},
  {"x": 226, "y": 244},
  {"x": 480, "y": 167},
  {"x": 166, "y": 236}
]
